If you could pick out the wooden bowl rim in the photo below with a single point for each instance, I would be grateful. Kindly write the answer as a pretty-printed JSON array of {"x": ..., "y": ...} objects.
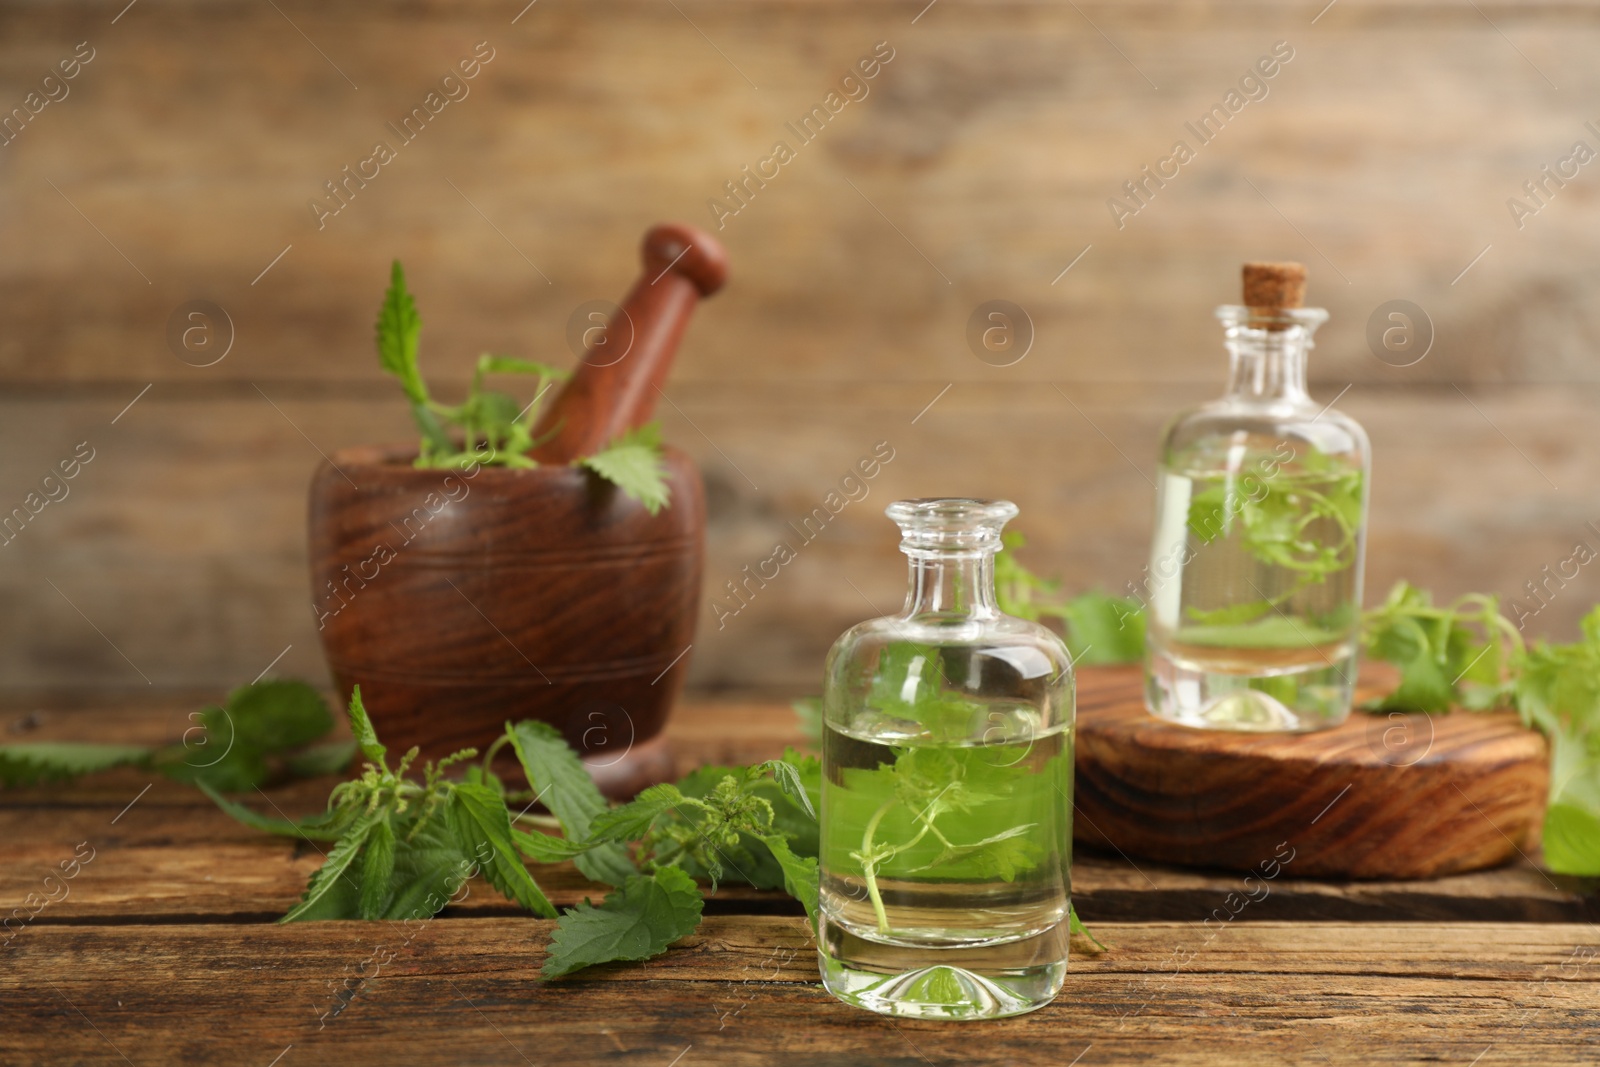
[{"x": 395, "y": 458}]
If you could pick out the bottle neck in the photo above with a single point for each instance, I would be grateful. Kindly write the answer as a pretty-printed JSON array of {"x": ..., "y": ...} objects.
[
  {"x": 1269, "y": 366},
  {"x": 1267, "y": 350},
  {"x": 952, "y": 586}
]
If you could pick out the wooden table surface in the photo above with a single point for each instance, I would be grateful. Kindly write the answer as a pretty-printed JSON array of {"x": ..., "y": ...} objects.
[{"x": 164, "y": 951}]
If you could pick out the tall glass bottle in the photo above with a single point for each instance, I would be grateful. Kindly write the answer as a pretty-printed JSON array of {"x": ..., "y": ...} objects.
[
  {"x": 947, "y": 789},
  {"x": 1253, "y": 592}
]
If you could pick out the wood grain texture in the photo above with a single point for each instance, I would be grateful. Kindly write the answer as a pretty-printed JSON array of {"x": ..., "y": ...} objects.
[
  {"x": 743, "y": 988},
  {"x": 1376, "y": 797},
  {"x": 1384, "y": 155}
]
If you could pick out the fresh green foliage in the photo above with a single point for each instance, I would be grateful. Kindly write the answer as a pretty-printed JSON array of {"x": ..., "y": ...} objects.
[
  {"x": 231, "y": 748},
  {"x": 1572, "y": 839},
  {"x": 1279, "y": 518},
  {"x": 1075, "y": 926},
  {"x": 263, "y": 730},
  {"x": 1458, "y": 655},
  {"x": 636, "y": 922},
  {"x": 932, "y": 814},
  {"x": 1470, "y": 655},
  {"x": 366, "y": 736},
  {"x": 1304, "y": 520},
  {"x": 403, "y": 847},
  {"x": 717, "y": 822},
  {"x": 55, "y": 761},
  {"x": 482, "y": 826},
  {"x": 1097, "y": 628},
  {"x": 495, "y": 428},
  {"x": 558, "y": 779},
  {"x": 800, "y": 876},
  {"x": 325, "y": 826},
  {"x": 633, "y": 463},
  {"x": 753, "y": 859},
  {"x": 706, "y": 827},
  {"x": 1558, "y": 691}
]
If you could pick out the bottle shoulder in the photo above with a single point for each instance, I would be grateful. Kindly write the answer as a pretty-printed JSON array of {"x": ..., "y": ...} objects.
[
  {"x": 1221, "y": 425},
  {"x": 1029, "y": 648}
]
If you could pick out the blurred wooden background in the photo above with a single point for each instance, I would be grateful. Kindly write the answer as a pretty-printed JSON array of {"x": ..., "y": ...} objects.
[{"x": 978, "y": 167}]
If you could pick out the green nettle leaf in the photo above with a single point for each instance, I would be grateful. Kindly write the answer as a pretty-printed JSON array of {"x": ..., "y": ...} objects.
[
  {"x": 800, "y": 877},
  {"x": 677, "y": 836},
  {"x": 1075, "y": 926},
  {"x": 1447, "y": 656},
  {"x": 788, "y": 778},
  {"x": 634, "y": 923},
  {"x": 559, "y": 780},
  {"x": 361, "y": 726},
  {"x": 493, "y": 364},
  {"x": 632, "y": 820},
  {"x": 399, "y": 328},
  {"x": 483, "y": 825},
  {"x": 1103, "y": 629},
  {"x": 1097, "y": 628},
  {"x": 48, "y": 761},
  {"x": 633, "y": 462},
  {"x": 430, "y": 867},
  {"x": 329, "y": 757},
  {"x": 1572, "y": 840},
  {"x": 377, "y": 869},
  {"x": 333, "y": 891},
  {"x": 547, "y": 848},
  {"x": 230, "y": 749},
  {"x": 214, "y": 753},
  {"x": 275, "y": 715}
]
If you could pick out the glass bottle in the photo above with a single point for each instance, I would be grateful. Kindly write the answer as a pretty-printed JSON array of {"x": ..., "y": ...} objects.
[
  {"x": 1253, "y": 592},
  {"x": 947, "y": 789}
]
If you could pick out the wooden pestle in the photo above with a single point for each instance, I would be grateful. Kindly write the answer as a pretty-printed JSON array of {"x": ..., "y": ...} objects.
[{"x": 609, "y": 393}]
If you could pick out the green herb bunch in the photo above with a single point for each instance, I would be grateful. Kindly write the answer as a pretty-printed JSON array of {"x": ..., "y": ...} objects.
[
  {"x": 403, "y": 846},
  {"x": 1469, "y": 655},
  {"x": 494, "y": 428},
  {"x": 1304, "y": 521},
  {"x": 1097, "y": 628},
  {"x": 403, "y": 843}
]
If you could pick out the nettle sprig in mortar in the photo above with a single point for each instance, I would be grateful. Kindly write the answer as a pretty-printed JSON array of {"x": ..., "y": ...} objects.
[{"x": 494, "y": 428}]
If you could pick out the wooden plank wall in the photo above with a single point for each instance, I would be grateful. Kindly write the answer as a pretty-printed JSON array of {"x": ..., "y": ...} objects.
[{"x": 180, "y": 163}]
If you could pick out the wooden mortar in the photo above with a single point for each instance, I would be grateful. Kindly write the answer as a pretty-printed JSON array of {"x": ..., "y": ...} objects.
[{"x": 460, "y": 599}]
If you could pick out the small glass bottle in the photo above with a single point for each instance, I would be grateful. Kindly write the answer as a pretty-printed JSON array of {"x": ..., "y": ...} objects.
[
  {"x": 947, "y": 789},
  {"x": 1253, "y": 592}
]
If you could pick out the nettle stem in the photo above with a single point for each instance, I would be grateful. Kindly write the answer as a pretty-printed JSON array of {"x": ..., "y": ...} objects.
[{"x": 869, "y": 866}]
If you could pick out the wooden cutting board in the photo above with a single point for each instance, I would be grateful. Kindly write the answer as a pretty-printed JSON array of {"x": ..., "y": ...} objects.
[{"x": 1405, "y": 796}]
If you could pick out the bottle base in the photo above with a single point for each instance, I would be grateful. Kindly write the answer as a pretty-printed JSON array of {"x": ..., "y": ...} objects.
[
  {"x": 949, "y": 983},
  {"x": 1315, "y": 697}
]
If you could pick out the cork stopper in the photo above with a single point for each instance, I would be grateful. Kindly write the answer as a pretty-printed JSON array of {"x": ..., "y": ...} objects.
[{"x": 1271, "y": 286}]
